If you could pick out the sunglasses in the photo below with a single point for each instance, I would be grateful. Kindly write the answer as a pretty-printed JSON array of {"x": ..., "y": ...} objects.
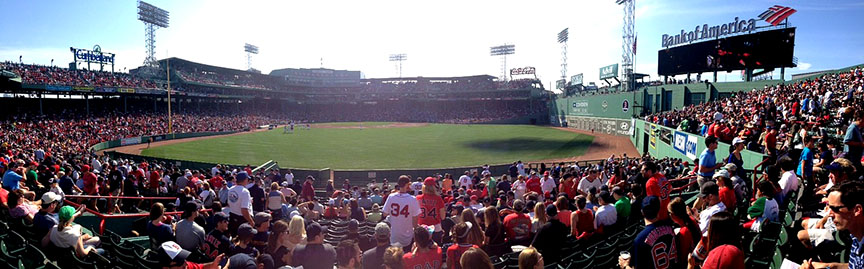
[{"x": 836, "y": 208}]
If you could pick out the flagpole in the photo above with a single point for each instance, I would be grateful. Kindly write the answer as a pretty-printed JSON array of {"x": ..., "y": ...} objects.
[{"x": 168, "y": 74}]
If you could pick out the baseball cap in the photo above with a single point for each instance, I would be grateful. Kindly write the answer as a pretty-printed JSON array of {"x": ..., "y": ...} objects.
[
  {"x": 353, "y": 224},
  {"x": 314, "y": 229},
  {"x": 429, "y": 181},
  {"x": 284, "y": 183},
  {"x": 261, "y": 217},
  {"x": 246, "y": 230},
  {"x": 50, "y": 197},
  {"x": 737, "y": 140},
  {"x": 709, "y": 188},
  {"x": 730, "y": 167},
  {"x": 650, "y": 206},
  {"x": 381, "y": 230},
  {"x": 241, "y": 261},
  {"x": 551, "y": 211},
  {"x": 728, "y": 256},
  {"x": 376, "y": 207},
  {"x": 242, "y": 176},
  {"x": 686, "y": 163},
  {"x": 546, "y": 173},
  {"x": 171, "y": 253},
  {"x": 220, "y": 217},
  {"x": 66, "y": 213},
  {"x": 474, "y": 197},
  {"x": 721, "y": 173}
]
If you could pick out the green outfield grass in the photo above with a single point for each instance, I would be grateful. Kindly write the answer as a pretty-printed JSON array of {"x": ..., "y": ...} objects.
[{"x": 432, "y": 146}]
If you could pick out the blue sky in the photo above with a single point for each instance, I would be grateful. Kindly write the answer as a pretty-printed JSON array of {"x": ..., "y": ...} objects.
[{"x": 441, "y": 38}]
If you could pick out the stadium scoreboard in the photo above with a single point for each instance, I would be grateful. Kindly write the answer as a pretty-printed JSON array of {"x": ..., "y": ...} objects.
[{"x": 761, "y": 50}]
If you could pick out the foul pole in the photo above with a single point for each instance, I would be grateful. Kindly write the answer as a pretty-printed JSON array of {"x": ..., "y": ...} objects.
[{"x": 168, "y": 75}]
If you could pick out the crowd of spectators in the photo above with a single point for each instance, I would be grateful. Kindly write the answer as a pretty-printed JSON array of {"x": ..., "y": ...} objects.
[{"x": 39, "y": 74}]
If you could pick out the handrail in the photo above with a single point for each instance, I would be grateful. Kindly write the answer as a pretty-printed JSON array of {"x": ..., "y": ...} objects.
[
  {"x": 122, "y": 197},
  {"x": 120, "y": 216},
  {"x": 755, "y": 179}
]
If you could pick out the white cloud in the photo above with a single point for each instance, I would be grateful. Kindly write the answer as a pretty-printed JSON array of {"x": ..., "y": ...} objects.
[{"x": 804, "y": 66}]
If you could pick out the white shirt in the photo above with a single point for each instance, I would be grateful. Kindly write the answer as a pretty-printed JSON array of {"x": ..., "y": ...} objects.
[
  {"x": 519, "y": 189},
  {"x": 401, "y": 208},
  {"x": 605, "y": 216},
  {"x": 521, "y": 168},
  {"x": 465, "y": 181},
  {"x": 585, "y": 185},
  {"x": 213, "y": 171},
  {"x": 547, "y": 184},
  {"x": 788, "y": 182},
  {"x": 239, "y": 198},
  {"x": 289, "y": 177},
  {"x": 705, "y": 216}
]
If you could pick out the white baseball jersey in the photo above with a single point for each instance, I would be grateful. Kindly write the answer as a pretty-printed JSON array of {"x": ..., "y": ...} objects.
[{"x": 401, "y": 209}]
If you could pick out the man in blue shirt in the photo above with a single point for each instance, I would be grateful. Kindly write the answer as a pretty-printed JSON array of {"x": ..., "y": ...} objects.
[
  {"x": 854, "y": 142},
  {"x": 46, "y": 219},
  {"x": 12, "y": 178},
  {"x": 654, "y": 247},
  {"x": 708, "y": 161},
  {"x": 805, "y": 162}
]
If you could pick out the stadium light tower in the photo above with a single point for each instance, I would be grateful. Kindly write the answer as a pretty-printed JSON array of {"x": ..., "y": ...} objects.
[
  {"x": 503, "y": 51},
  {"x": 399, "y": 58},
  {"x": 153, "y": 18},
  {"x": 563, "y": 36},
  {"x": 249, "y": 49},
  {"x": 628, "y": 44}
]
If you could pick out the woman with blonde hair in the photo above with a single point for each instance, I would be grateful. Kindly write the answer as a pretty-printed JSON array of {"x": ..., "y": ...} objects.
[
  {"x": 296, "y": 232},
  {"x": 475, "y": 235},
  {"x": 275, "y": 200},
  {"x": 476, "y": 258},
  {"x": 530, "y": 258},
  {"x": 539, "y": 217}
]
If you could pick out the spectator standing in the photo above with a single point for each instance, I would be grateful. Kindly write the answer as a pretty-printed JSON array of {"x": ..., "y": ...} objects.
[
  {"x": 402, "y": 210},
  {"x": 217, "y": 241},
  {"x": 547, "y": 183},
  {"x": 520, "y": 187},
  {"x": 431, "y": 208},
  {"x": 518, "y": 225},
  {"x": 190, "y": 235},
  {"x": 658, "y": 186},
  {"x": 259, "y": 197},
  {"x": 239, "y": 203},
  {"x": 315, "y": 254},
  {"x": 622, "y": 204},
  {"x": 707, "y": 161},
  {"x": 654, "y": 247},
  {"x": 606, "y": 214},
  {"x": 548, "y": 239},
  {"x": 581, "y": 221},
  {"x": 465, "y": 181},
  {"x": 854, "y": 142},
  {"x": 374, "y": 257},
  {"x": 460, "y": 236},
  {"x": 425, "y": 254},
  {"x": 588, "y": 182}
]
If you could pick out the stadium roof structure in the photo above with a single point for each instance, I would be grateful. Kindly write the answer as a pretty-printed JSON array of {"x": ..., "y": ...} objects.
[
  {"x": 476, "y": 77},
  {"x": 178, "y": 61}
]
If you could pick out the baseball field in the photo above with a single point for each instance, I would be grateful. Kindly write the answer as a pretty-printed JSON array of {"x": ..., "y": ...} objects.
[{"x": 382, "y": 145}]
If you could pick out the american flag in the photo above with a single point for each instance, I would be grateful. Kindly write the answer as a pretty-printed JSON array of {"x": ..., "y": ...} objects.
[{"x": 776, "y": 14}]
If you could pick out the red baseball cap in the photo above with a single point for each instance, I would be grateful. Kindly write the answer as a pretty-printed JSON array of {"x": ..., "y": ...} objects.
[
  {"x": 546, "y": 173},
  {"x": 725, "y": 256},
  {"x": 473, "y": 197},
  {"x": 429, "y": 181}
]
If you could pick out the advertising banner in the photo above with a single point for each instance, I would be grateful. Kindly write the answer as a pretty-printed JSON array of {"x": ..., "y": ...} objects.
[
  {"x": 560, "y": 84},
  {"x": 58, "y": 88},
  {"x": 653, "y": 140},
  {"x": 130, "y": 141},
  {"x": 686, "y": 144},
  {"x": 126, "y": 90},
  {"x": 576, "y": 79},
  {"x": 609, "y": 71},
  {"x": 82, "y": 89}
]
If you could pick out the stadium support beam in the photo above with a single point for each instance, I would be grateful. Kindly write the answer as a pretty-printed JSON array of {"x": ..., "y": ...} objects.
[
  {"x": 153, "y": 18},
  {"x": 503, "y": 51},
  {"x": 628, "y": 44},
  {"x": 563, "y": 36}
]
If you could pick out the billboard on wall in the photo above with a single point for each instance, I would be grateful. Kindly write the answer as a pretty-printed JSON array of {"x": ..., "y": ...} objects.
[
  {"x": 686, "y": 144},
  {"x": 576, "y": 79},
  {"x": 653, "y": 140},
  {"x": 609, "y": 71}
]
